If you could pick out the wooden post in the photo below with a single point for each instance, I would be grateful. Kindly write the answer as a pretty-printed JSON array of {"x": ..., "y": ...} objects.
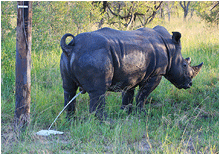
[{"x": 23, "y": 65}]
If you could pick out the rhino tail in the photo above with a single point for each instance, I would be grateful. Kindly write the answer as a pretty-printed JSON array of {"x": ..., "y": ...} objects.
[{"x": 67, "y": 49}]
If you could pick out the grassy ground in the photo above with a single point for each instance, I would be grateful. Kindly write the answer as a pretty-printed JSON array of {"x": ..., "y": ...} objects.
[{"x": 177, "y": 121}]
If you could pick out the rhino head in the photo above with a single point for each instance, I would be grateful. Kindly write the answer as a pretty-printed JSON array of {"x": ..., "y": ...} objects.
[{"x": 181, "y": 72}]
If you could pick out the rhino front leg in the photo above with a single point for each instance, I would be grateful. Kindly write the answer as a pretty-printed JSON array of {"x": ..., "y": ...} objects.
[
  {"x": 145, "y": 89},
  {"x": 97, "y": 105},
  {"x": 127, "y": 99}
]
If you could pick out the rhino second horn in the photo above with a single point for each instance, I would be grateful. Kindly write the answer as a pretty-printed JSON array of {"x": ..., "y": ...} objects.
[
  {"x": 197, "y": 69},
  {"x": 188, "y": 60}
]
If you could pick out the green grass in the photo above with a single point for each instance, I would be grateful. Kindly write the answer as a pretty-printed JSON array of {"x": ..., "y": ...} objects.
[{"x": 177, "y": 121}]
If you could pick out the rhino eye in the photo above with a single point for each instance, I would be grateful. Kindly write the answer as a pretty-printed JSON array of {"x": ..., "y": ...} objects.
[{"x": 184, "y": 65}]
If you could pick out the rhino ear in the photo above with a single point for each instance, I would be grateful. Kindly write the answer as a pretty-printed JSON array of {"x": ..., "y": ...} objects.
[{"x": 176, "y": 37}]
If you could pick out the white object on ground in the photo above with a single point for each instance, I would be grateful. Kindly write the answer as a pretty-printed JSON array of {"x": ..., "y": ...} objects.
[
  {"x": 54, "y": 132},
  {"x": 48, "y": 132}
]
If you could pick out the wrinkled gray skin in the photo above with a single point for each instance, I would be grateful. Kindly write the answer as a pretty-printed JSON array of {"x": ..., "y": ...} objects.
[{"x": 112, "y": 60}]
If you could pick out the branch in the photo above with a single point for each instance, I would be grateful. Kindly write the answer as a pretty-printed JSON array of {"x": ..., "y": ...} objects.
[
  {"x": 181, "y": 4},
  {"x": 184, "y": 7},
  {"x": 129, "y": 23},
  {"x": 151, "y": 17},
  {"x": 105, "y": 5},
  {"x": 214, "y": 6},
  {"x": 159, "y": 5},
  {"x": 140, "y": 21},
  {"x": 127, "y": 16},
  {"x": 187, "y": 7}
]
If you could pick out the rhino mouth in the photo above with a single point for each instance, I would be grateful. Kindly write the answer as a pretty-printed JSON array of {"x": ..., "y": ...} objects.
[{"x": 185, "y": 86}]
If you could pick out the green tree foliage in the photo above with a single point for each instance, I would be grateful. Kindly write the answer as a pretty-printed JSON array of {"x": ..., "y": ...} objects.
[
  {"x": 208, "y": 10},
  {"x": 51, "y": 20},
  {"x": 125, "y": 14}
]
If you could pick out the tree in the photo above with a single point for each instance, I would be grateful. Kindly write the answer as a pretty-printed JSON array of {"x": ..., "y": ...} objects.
[
  {"x": 51, "y": 20},
  {"x": 23, "y": 65},
  {"x": 185, "y": 7},
  {"x": 208, "y": 11},
  {"x": 168, "y": 8},
  {"x": 126, "y": 13}
]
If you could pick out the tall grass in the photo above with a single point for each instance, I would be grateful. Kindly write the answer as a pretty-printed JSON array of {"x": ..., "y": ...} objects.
[{"x": 177, "y": 121}]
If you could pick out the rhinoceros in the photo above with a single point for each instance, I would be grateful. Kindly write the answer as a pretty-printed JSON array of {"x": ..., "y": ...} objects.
[{"x": 113, "y": 60}]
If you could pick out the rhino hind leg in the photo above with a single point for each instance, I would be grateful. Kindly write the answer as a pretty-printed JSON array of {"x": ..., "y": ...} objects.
[
  {"x": 68, "y": 95},
  {"x": 127, "y": 100},
  {"x": 95, "y": 73},
  {"x": 97, "y": 104}
]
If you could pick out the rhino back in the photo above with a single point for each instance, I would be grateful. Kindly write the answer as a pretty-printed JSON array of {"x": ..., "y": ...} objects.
[{"x": 135, "y": 55}]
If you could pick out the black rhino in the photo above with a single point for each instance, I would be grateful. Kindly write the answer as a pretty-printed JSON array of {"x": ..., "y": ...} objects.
[{"x": 112, "y": 60}]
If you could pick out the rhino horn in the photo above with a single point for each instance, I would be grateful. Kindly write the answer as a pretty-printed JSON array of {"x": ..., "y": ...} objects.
[
  {"x": 67, "y": 48},
  {"x": 188, "y": 60},
  {"x": 197, "y": 69}
]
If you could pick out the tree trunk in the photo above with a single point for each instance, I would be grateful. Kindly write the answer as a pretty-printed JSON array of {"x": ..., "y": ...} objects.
[
  {"x": 185, "y": 8},
  {"x": 168, "y": 11},
  {"x": 23, "y": 66}
]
